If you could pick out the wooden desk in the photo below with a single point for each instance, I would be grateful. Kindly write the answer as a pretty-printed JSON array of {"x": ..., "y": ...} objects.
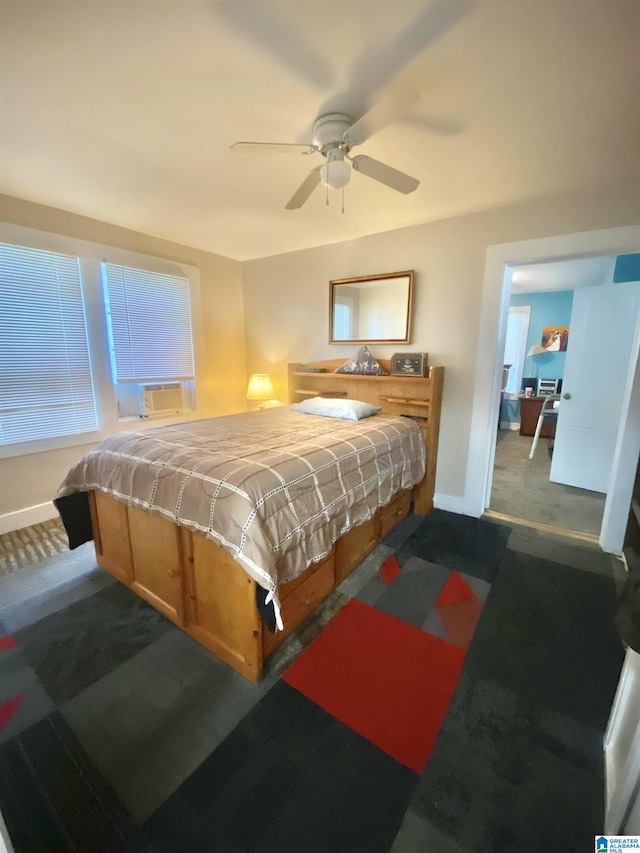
[{"x": 529, "y": 413}]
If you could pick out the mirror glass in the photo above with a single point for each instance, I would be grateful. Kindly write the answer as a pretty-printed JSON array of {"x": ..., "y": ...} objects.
[{"x": 371, "y": 309}]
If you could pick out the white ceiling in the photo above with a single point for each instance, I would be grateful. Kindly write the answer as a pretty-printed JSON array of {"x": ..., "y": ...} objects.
[
  {"x": 562, "y": 275},
  {"x": 124, "y": 111}
]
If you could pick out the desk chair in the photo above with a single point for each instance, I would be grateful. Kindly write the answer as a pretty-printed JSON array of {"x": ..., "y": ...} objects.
[{"x": 548, "y": 412}]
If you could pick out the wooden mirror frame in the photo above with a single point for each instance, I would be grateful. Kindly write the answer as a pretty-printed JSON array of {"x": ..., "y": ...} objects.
[{"x": 403, "y": 337}]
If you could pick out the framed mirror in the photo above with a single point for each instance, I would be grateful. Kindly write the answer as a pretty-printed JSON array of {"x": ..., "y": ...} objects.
[{"x": 371, "y": 309}]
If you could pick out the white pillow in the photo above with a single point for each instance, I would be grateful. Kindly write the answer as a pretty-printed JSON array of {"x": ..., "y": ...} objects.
[{"x": 336, "y": 407}]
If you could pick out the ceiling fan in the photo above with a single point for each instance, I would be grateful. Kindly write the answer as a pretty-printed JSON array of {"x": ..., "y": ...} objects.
[{"x": 333, "y": 136}]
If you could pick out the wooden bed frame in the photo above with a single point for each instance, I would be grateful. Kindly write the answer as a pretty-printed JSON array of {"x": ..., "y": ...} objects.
[{"x": 198, "y": 585}]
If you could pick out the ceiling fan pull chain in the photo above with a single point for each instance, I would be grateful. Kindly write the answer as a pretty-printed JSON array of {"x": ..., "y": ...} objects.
[
  {"x": 327, "y": 201},
  {"x": 343, "y": 199}
]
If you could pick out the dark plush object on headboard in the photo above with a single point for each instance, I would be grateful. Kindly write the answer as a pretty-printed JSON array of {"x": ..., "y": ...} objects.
[{"x": 363, "y": 363}]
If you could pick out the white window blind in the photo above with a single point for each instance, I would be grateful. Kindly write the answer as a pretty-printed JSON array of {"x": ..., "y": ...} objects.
[
  {"x": 515, "y": 346},
  {"x": 46, "y": 388},
  {"x": 149, "y": 321}
]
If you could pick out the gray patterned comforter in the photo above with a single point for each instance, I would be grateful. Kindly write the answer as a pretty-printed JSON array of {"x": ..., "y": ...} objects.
[{"x": 275, "y": 488}]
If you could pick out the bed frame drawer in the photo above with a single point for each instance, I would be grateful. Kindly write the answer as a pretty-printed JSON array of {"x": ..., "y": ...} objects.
[
  {"x": 391, "y": 514},
  {"x": 354, "y": 546},
  {"x": 299, "y": 598}
]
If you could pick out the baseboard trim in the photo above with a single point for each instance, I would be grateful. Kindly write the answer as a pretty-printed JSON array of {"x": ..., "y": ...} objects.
[
  {"x": 448, "y": 503},
  {"x": 26, "y": 517}
]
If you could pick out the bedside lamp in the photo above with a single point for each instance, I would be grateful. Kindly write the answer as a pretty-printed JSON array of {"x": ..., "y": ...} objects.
[{"x": 260, "y": 388}]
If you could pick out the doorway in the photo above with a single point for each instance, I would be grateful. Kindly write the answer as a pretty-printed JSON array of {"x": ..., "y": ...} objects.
[
  {"x": 486, "y": 398},
  {"x": 538, "y": 336}
]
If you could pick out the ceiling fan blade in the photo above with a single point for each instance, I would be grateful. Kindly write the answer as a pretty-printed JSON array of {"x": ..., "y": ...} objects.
[
  {"x": 377, "y": 69},
  {"x": 274, "y": 29},
  {"x": 384, "y": 113},
  {"x": 304, "y": 190},
  {"x": 441, "y": 127},
  {"x": 282, "y": 147},
  {"x": 385, "y": 174}
]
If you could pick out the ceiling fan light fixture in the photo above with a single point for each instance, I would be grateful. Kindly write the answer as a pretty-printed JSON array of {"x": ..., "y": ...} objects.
[{"x": 335, "y": 173}]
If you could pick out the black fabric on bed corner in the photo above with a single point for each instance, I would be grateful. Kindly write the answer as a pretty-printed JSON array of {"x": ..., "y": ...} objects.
[
  {"x": 265, "y": 610},
  {"x": 75, "y": 515}
]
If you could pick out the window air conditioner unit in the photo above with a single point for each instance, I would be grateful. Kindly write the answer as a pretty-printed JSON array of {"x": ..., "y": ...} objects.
[{"x": 161, "y": 399}]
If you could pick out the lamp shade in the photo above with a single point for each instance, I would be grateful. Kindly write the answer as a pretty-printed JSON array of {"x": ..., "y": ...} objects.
[
  {"x": 536, "y": 349},
  {"x": 260, "y": 387}
]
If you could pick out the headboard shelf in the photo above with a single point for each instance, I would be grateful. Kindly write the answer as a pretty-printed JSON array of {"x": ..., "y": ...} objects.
[
  {"x": 407, "y": 401},
  {"x": 308, "y": 392},
  {"x": 346, "y": 376},
  {"x": 417, "y": 397}
]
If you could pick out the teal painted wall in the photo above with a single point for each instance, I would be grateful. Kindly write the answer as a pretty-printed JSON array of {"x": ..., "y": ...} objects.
[
  {"x": 547, "y": 309},
  {"x": 627, "y": 268}
]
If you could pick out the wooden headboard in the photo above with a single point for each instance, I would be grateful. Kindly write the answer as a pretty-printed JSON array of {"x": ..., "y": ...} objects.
[{"x": 417, "y": 397}]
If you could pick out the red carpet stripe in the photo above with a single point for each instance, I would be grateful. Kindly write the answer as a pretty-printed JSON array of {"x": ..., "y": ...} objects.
[
  {"x": 454, "y": 591},
  {"x": 385, "y": 679},
  {"x": 389, "y": 570},
  {"x": 8, "y": 709},
  {"x": 460, "y": 621},
  {"x": 458, "y": 609}
]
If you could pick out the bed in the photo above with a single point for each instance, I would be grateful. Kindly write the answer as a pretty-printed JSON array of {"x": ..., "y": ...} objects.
[{"x": 236, "y": 528}]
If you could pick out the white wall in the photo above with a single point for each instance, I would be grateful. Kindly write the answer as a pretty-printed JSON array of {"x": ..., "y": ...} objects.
[
  {"x": 28, "y": 482},
  {"x": 287, "y": 299}
]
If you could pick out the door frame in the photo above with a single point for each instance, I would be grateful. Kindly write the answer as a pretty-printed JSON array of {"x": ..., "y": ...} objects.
[{"x": 500, "y": 260}]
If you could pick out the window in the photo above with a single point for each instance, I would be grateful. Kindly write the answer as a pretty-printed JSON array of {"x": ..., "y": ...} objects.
[
  {"x": 149, "y": 323},
  {"x": 343, "y": 319},
  {"x": 515, "y": 346},
  {"x": 46, "y": 388}
]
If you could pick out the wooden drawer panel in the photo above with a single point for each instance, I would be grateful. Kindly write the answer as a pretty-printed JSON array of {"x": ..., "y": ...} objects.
[
  {"x": 110, "y": 522},
  {"x": 391, "y": 514},
  {"x": 157, "y": 563},
  {"x": 299, "y": 600},
  {"x": 222, "y": 607},
  {"x": 354, "y": 546},
  {"x": 287, "y": 589}
]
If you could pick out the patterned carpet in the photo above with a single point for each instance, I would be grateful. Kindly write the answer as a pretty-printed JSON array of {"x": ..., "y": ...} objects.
[
  {"x": 20, "y": 549},
  {"x": 456, "y": 700}
]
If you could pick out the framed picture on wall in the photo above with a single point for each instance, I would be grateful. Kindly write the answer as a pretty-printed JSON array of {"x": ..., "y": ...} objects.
[{"x": 555, "y": 338}]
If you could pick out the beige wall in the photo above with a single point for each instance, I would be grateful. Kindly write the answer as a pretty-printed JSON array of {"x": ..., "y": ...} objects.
[
  {"x": 278, "y": 308},
  {"x": 31, "y": 480},
  {"x": 287, "y": 297}
]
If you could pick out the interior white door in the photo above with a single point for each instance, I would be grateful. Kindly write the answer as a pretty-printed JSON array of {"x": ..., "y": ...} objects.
[{"x": 603, "y": 321}]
